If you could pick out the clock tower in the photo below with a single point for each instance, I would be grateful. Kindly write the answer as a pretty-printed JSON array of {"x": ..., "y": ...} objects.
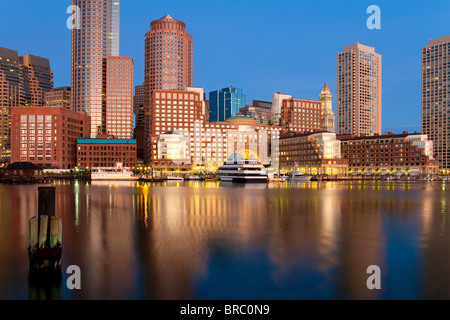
[{"x": 328, "y": 119}]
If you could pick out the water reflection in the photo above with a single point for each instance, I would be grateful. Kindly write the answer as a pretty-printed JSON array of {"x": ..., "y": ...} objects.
[{"x": 210, "y": 240}]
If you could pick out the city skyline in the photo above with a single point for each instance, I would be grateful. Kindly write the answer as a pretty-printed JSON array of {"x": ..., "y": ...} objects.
[{"x": 341, "y": 24}]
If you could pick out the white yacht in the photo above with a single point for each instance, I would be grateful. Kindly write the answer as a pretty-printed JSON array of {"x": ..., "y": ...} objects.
[
  {"x": 301, "y": 177},
  {"x": 117, "y": 173},
  {"x": 243, "y": 171},
  {"x": 174, "y": 178}
]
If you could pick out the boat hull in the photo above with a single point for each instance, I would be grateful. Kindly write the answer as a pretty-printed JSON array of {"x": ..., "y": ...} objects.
[
  {"x": 261, "y": 179},
  {"x": 300, "y": 179}
]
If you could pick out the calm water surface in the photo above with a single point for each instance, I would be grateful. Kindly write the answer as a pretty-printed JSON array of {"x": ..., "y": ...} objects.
[{"x": 194, "y": 240}]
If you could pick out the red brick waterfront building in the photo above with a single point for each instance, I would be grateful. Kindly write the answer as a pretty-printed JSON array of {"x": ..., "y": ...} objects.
[
  {"x": 47, "y": 137},
  {"x": 106, "y": 152},
  {"x": 391, "y": 153},
  {"x": 312, "y": 153}
]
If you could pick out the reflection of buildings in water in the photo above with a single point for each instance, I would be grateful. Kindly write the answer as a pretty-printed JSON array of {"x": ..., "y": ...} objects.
[
  {"x": 305, "y": 234},
  {"x": 361, "y": 243},
  {"x": 183, "y": 228},
  {"x": 97, "y": 236},
  {"x": 435, "y": 246},
  {"x": 12, "y": 220}
]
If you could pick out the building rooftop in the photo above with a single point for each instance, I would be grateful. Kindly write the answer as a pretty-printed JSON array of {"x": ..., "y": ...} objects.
[
  {"x": 383, "y": 136},
  {"x": 302, "y": 135},
  {"x": 23, "y": 166},
  {"x": 106, "y": 141}
]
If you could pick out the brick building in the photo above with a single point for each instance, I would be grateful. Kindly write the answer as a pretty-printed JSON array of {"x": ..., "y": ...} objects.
[
  {"x": 389, "y": 154},
  {"x": 106, "y": 151},
  {"x": 47, "y": 137},
  {"x": 118, "y": 85},
  {"x": 312, "y": 153},
  {"x": 301, "y": 116}
]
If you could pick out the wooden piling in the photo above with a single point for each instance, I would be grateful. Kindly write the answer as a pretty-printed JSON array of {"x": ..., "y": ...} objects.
[{"x": 45, "y": 248}]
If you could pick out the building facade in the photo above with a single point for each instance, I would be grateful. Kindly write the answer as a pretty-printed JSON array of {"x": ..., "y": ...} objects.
[
  {"x": 301, "y": 116},
  {"x": 171, "y": 110},
  {"x": 168, "y": 56},
  {"x": 47, "y": 136},
  {"x": 312, "y": 154},
  {"x": 105, "y": 152},
  {"x": 12, "y": 95},
  {"x": 261, "y": 111},
  {"x": 225, "y": 103},
  {"x": 436, "y": 97},
  {"x": 359, "y": 101},
  {"x": 277, "y": 103},
  {"x": 328, "y": 119},
  {"x": 389, "y": 154},
  {"x": 96, "y": 39},
  {"x": 59, "y": 97},
  {"x": 210, "y": 145},
  {"x": 139, "y": 98},
  {"x": 24, "y": 81},
  {"x": 38, "y": 79},
  {"x": 181, "y": 115},
  {"x": 118, "y": 87}
]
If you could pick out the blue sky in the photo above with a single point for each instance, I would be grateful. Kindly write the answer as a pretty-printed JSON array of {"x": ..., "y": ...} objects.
[{"x": 261, "y": 46}]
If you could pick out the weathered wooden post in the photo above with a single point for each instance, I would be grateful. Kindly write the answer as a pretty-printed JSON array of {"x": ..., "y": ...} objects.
[{"x": 45, "y": 248}]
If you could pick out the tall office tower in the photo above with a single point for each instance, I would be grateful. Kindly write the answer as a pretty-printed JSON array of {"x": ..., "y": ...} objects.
[
  {"x": 225, "y": 103},
  {"x": 96, "y": 39},
  {"x": 359, "y": 91},
  {"x": 436, "y": 97},
  {"x": 328, "y": 119},
  {"x": 139, "y": 95},
  {"x": 11, "y": 96},
  {"x": 168, "y": 56},
  {"x": 23, "y": 83},
  {"x": 59, "y": 97},
  {"x": 38, "y": 78},
  {"x": 118, "y": 90},
  {"x": 277, "y": 103}
]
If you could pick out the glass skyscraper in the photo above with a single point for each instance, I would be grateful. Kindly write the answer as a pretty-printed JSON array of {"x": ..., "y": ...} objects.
[
  {"x": 97, "y": 38},
  {"x": 225, "y": 103}
]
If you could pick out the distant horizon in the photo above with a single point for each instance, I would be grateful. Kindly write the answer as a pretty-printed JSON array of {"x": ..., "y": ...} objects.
[{"x": 260, "y": 48}]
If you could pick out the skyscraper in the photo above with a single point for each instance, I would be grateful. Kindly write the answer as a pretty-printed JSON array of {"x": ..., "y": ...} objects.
[
  {"x": 38, "y": 79},
  {"x": 118, "y": 92},
  {"x": 436, "y": 97},
  {"x": 328, "y": 119},
  {"x": 97, "y": 39},
  {"x": 11, "y": 96},
  {"x": 24, "y": 81},
  {"x": 168, "y": 55},
  {"x": 225, "y": 103},
  {"x": 359, "y": 91}
]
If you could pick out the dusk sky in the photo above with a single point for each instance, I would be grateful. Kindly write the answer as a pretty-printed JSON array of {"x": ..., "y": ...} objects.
[{"x": 259, "y": 46}]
